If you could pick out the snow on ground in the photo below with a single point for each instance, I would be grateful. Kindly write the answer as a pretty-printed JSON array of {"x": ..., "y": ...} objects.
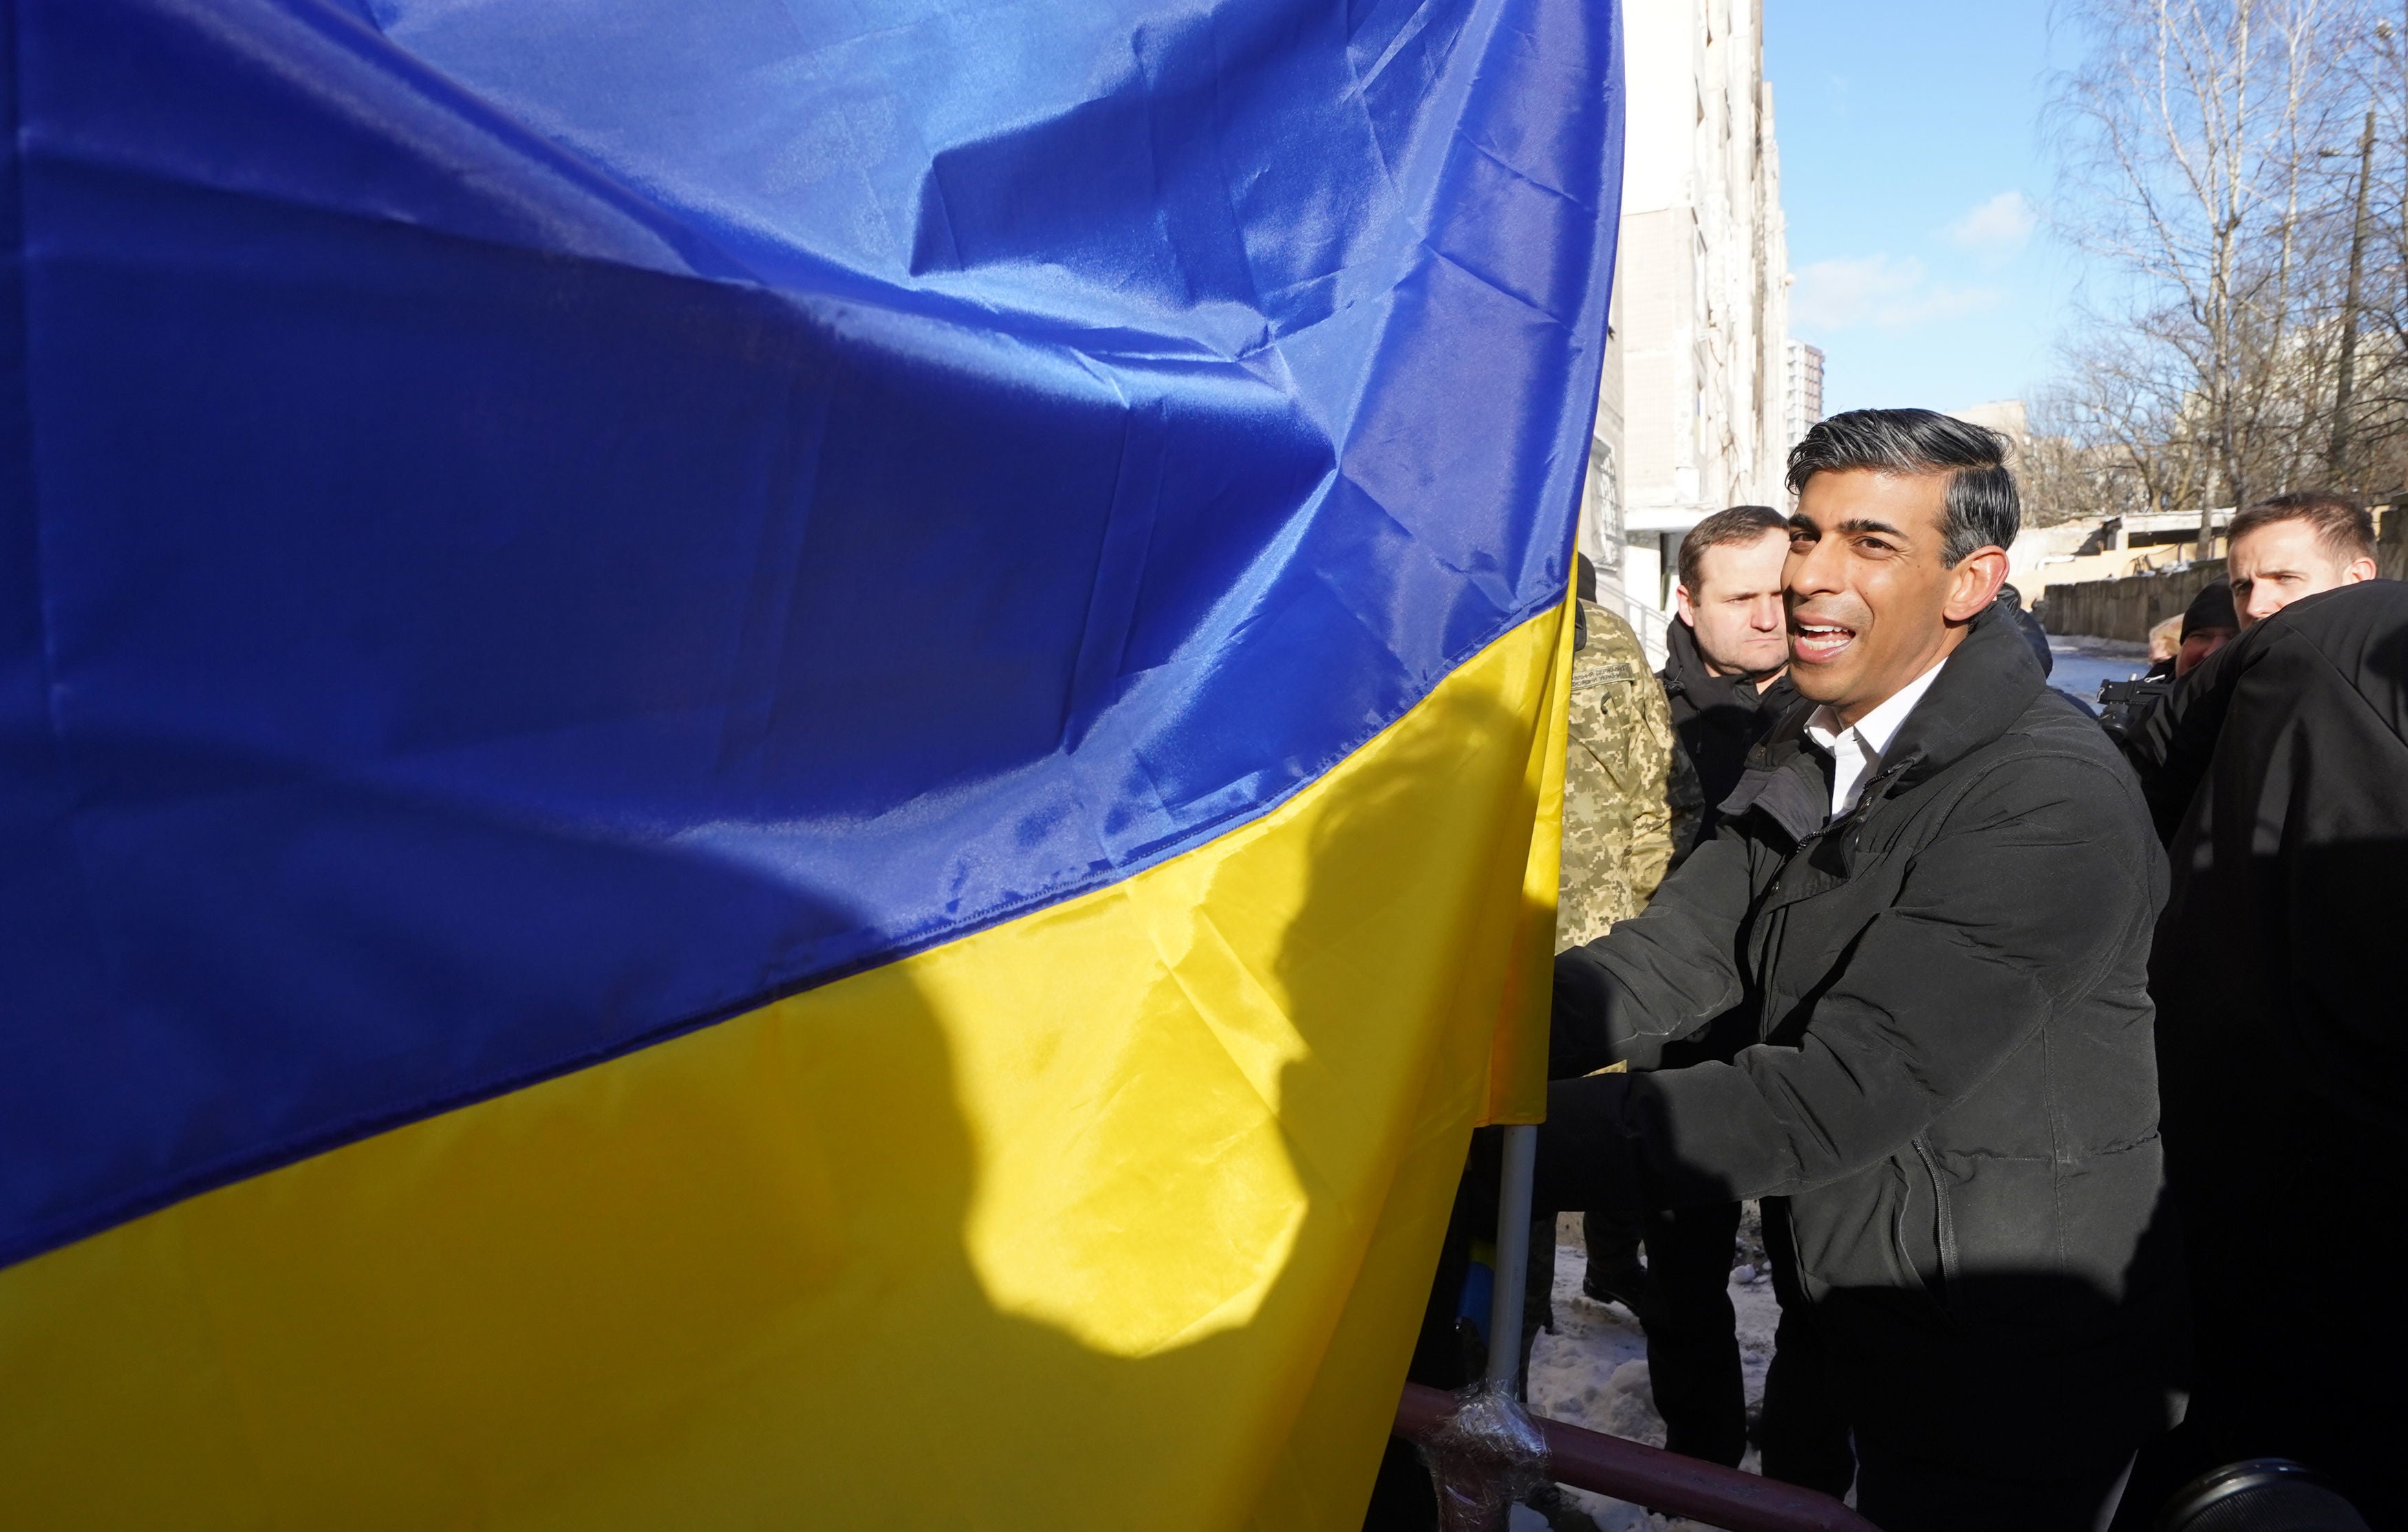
[{"x": 1592, "y": 1368}]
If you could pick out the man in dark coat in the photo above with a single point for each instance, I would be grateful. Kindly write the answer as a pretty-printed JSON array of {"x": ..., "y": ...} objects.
[
  {"x": 2283, "y": 1040},
  {"x": 1723, "y": 678},
  {"x": 1726, "y": 655},
  {"x": 2284, "y": 550},
  {"x": 1930, "y": 896},
  {"x": 2208, "y": 624}
]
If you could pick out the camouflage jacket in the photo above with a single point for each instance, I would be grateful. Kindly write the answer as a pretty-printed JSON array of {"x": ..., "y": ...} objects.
[{"x": 1619, "y": 762}]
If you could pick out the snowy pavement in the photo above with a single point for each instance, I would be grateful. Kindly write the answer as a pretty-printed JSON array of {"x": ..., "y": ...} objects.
[{"x": 1591, "y": 1369}]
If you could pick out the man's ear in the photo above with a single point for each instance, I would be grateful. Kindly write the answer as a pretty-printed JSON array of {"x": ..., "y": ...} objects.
[
  {"x": 1975, "y": 582},
  {"x": 1688, "y": 609},
  {"x": 2359, "y": 570}
]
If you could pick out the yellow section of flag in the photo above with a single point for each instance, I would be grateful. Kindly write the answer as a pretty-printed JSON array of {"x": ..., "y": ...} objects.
[{"x": 1120, "y": 1214}]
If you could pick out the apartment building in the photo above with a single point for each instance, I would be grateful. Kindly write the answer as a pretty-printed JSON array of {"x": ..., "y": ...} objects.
[{"x": 1695, "y": 410}]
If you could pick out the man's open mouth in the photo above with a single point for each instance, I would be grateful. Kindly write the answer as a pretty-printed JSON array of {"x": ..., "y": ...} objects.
[{"x": 1816, "y": 642}]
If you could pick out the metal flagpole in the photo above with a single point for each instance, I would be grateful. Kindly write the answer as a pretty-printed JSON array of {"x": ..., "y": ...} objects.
[{"x": 1512, "y": 1258}]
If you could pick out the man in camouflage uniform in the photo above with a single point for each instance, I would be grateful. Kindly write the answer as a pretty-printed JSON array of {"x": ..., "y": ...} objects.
[{"x": 1618, "y": 824}]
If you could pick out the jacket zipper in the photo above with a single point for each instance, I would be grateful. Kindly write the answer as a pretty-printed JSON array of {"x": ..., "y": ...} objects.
[{"x": 1947, "y": 1219}]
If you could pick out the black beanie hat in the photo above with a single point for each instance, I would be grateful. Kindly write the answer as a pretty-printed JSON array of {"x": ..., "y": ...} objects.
[{"x": 2212, "y": 607}]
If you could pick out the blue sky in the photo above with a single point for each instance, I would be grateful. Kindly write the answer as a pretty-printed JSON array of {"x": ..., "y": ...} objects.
[{"x": 1913, "y": 175}]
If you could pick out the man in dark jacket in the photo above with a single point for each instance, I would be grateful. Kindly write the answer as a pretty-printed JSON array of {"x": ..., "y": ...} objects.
[
  {"x": 2208, "y": 624},
  {"x": 1726, "y": 655},
  {"x": 1930, "y": 896},
  {"x": 2295, "y": 546},
  {"x": 1723, "y": 678},
  {"x": 2284, "y": 550},
  {"x": 2283, "y": 1040}
]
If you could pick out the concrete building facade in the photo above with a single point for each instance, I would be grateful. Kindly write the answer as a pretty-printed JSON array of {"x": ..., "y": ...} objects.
[{"x": 1695, "y": 410}]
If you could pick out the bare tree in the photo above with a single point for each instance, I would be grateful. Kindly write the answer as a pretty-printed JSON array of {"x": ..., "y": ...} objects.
[
  {"x": 2118, "y": 437},
  {"x": 2188, "y": 145},
  {"x": 2372, "y": 418}
]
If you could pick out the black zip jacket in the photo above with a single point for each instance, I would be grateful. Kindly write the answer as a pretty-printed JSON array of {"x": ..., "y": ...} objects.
[
  {"x": 1951, "y": 1080},
  {"x": 2282, "y": 772}
]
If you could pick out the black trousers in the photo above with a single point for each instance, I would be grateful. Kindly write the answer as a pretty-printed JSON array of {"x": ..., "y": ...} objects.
[
  {"x": 1611, "y": 1235},
  {"x": 2021, "y": 1424},
  {"x": 1901, "y": 1493},
  {"x": 1805, "y": 1415},
  {"x": 1692, "y": 1334}
]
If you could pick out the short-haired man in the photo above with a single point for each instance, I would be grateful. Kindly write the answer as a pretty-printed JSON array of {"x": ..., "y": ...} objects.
[
  {"x": 2297, "y": 544},
  {"x": 2282, "y": 551},
  {"x": 1727, "y": 648},
  {"x": 1932, "y": 897},
  {"x": 1726, "y": 654}
]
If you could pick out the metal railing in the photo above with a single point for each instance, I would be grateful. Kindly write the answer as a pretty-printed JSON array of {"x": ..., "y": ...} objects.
[
  {"x": 1498, "y": 1451},
  {"x": 1652, "y": 1477}
]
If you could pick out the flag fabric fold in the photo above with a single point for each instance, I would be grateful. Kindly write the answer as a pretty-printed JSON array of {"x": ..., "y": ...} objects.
[{"x": 764, "y": 761}]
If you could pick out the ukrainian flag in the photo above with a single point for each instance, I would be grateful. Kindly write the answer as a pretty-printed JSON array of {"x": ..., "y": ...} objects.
[{"x": 770, "y": 762}]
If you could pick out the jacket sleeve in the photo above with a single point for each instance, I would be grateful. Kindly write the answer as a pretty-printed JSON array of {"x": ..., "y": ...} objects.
[
  {"x": 1659, "y": 976},
  {"x": 1650, "y": 822},
  {"x": 1982, "y": 945}
]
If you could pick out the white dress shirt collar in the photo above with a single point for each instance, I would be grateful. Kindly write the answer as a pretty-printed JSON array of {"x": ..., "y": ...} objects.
[{"x": 1856, "y": 753}]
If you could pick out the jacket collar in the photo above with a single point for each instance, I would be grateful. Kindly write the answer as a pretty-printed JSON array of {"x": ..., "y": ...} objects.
[
  {"x": 1793, "y": 793},
  {"x": 1684, "y": 669},
  {"x": 1982, "y": 688},
  {"x": 1986, "y": 686}
]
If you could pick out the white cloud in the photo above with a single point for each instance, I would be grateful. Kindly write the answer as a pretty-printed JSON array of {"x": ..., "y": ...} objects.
[
  {"x": 1891, "y": 294},
  {"x": 1996, "y": 229}
]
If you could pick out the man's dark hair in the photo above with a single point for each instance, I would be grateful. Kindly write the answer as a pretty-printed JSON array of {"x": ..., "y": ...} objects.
[
  {"x": 2343, "y": 525},
  {"x": 1722, "y": 529},
  {"x": 1982, "y": 507}
]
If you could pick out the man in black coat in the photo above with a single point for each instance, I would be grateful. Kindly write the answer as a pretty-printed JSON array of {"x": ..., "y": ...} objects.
[
  {"x": 1727, "y": 656},
  {"x": 2283, "y": 1039},
  {"x": 1724, "y": 678},
  {"x": 2208, "y": 624},
  {"x": 1930, "y": 896},
  {"x": 2284, "y": 550}
]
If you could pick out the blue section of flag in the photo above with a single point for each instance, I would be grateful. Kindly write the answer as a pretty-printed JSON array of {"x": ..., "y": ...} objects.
[{"x": 528, "y": 528}]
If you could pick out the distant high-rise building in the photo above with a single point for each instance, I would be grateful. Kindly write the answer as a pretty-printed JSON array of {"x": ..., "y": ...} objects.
[
  {"x": 1693, "y": 408},
  {"x": 1804, "y": 394}
]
